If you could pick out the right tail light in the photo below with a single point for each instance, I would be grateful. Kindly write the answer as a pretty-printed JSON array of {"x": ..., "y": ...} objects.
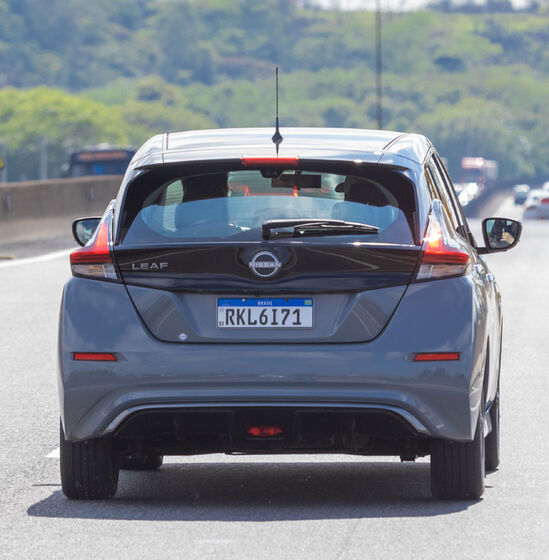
[{"x": 442, "y": 255}]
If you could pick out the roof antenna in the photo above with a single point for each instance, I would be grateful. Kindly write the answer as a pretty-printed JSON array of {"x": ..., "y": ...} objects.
[{"x": 277, "y": 137}]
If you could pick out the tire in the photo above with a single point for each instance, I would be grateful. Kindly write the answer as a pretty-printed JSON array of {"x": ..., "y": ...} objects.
[
  {"x": 89, "y": 469},
  {"x": 492, "y": 439},
  {"x": 139, "y": 462},
  {"x": 457, "y": 468}
]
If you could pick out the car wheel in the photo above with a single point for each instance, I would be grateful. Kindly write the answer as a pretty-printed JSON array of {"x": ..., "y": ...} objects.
[
  {"x": 457, "y": 468},
  {"x": 140, "y": 462},
  {"x": 492, "y": 439},
  {"x": 89, "y": 469}
]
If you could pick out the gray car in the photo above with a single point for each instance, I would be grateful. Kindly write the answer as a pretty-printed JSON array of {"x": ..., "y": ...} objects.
[{"x": 324, "y": 295}]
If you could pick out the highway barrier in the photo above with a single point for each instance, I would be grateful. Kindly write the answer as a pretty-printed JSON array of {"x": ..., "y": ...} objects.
[{"x": 34, "y": 210}]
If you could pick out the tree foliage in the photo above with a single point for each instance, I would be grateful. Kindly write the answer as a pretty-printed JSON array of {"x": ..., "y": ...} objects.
[{"x": 476, "y": 84}]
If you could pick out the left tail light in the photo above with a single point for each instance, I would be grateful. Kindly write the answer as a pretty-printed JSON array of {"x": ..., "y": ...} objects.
[
  {"x": 442, "y": 255},
  {"x": 95, "y": 260}
]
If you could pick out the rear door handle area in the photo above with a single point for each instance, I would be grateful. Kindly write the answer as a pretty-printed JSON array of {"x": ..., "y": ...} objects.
[
  {"x": 481, "y": 271},
  {"x": 483, "y": 275}
]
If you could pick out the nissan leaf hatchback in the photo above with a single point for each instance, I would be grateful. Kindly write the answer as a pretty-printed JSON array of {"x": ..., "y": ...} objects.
[{"x": 326, "y": 297}]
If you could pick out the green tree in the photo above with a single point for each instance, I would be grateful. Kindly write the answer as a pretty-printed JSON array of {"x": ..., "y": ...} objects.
[{"x": 30, "y": 117}]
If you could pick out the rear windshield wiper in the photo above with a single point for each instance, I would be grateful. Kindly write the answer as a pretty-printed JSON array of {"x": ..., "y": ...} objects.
[{"x": 311, "y": 226}]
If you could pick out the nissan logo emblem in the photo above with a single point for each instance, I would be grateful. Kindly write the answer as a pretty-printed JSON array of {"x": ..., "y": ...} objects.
[{"x": 265, "y": 264}]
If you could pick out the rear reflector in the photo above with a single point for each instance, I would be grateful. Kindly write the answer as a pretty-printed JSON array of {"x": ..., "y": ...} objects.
[
  {"x": 437, "y": 357},
  {"x": 94, "y": 357},
  {"x": 95, "y": 260},
  {"x": 267, "y": 161},
  {"x": 264, "y": 431}
]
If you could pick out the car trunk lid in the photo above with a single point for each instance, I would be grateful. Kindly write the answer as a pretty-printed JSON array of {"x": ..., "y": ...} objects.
[{"x": 353, "y": 288}]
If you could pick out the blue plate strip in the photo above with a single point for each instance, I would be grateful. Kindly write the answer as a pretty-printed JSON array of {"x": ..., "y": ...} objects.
[{"x": 265, "y": 302}]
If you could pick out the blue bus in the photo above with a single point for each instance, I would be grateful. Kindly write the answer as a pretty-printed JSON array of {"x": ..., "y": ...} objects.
[{"x": 98, "y": 161}]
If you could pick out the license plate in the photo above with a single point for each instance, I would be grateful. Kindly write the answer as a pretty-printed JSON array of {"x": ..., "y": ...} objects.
[{"x": 265, "y": 313}]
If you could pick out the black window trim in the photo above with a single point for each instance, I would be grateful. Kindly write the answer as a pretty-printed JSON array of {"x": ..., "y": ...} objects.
[{"x": 458, "y": 209}]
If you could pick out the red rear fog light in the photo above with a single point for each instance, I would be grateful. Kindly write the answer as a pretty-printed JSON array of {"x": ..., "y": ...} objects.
[{"x": 265, "y": 431}]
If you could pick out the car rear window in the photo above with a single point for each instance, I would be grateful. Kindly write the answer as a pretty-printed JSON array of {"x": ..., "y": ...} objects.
[{"x": 233, "y": 205}]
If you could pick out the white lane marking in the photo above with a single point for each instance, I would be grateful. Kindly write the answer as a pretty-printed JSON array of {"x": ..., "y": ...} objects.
[
  {"x": 506, "y": 208},
  {"x": 33, "y": 260},
  {"x": 53, "y": 454}
]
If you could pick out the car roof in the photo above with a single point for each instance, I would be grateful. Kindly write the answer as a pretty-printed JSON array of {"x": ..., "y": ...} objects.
[{"x": 308, "y": 143}]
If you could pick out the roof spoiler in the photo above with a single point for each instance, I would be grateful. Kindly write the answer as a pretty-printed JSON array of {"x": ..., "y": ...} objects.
[{"x": 237, "y": 162}]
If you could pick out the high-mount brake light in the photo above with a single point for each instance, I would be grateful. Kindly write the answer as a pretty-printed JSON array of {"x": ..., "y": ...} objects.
[
  {"x": 95, "y": 260},
  {"x": 269, "y": 161},
  {"x": 94, "y": 357},
  {"x": 442, "y": 255},
  {"x": 436, "y": 357}
]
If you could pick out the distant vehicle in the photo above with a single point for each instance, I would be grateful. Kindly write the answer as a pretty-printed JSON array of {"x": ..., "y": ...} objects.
[
  {"x": 536, "y": 206},
  {"x": 98, "y": 161},
  {"x": 545, "y": 186},
  {"x": 466, "y": 192},
  {"x": 321, "y": 300},
  {"x": 483, "y": 172},
  {"x": 520, "y": 192}
]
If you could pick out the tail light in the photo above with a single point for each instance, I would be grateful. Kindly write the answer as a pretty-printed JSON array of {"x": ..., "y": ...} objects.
[
  {"x": 95, "y": 259},
  {"x": 442, "y": 255},
  {"x": 545, "y": 201}
]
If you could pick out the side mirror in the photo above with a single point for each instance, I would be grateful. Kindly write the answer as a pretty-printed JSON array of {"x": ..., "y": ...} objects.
[
  {"x": 500, "y": 234},
  {"x": 84, "y": 228}
]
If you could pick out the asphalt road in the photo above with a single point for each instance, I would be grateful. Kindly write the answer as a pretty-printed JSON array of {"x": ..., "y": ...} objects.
[{"x": 322, "y": 507}]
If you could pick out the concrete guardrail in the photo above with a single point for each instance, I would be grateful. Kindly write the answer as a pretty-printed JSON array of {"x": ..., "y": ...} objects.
[{"x": 33, "y": 210}]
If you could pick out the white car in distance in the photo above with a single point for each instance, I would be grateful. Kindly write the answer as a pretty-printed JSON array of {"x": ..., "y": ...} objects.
[{"x": 536, "y": 206}]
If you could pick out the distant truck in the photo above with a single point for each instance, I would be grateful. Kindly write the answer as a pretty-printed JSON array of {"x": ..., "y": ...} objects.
[
  {"x": 483, "y": 172},
  {"x": 98, "y": 161}
]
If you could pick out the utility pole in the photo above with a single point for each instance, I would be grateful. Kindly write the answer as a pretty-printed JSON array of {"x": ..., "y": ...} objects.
[
  {"x": 4, "y": 165},
  {"x": 379, "y": 68}
]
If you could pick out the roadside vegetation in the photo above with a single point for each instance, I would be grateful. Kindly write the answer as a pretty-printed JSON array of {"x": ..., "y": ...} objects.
[{"x": 78, "y": 73}]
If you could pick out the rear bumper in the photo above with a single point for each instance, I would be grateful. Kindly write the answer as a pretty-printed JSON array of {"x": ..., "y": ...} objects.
[
  {"x": 129, "y": 413},
  {"x": 266, "y": 428},
  {"x": 437, "y": 399},
  {"x": 540, "y": 212}
]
